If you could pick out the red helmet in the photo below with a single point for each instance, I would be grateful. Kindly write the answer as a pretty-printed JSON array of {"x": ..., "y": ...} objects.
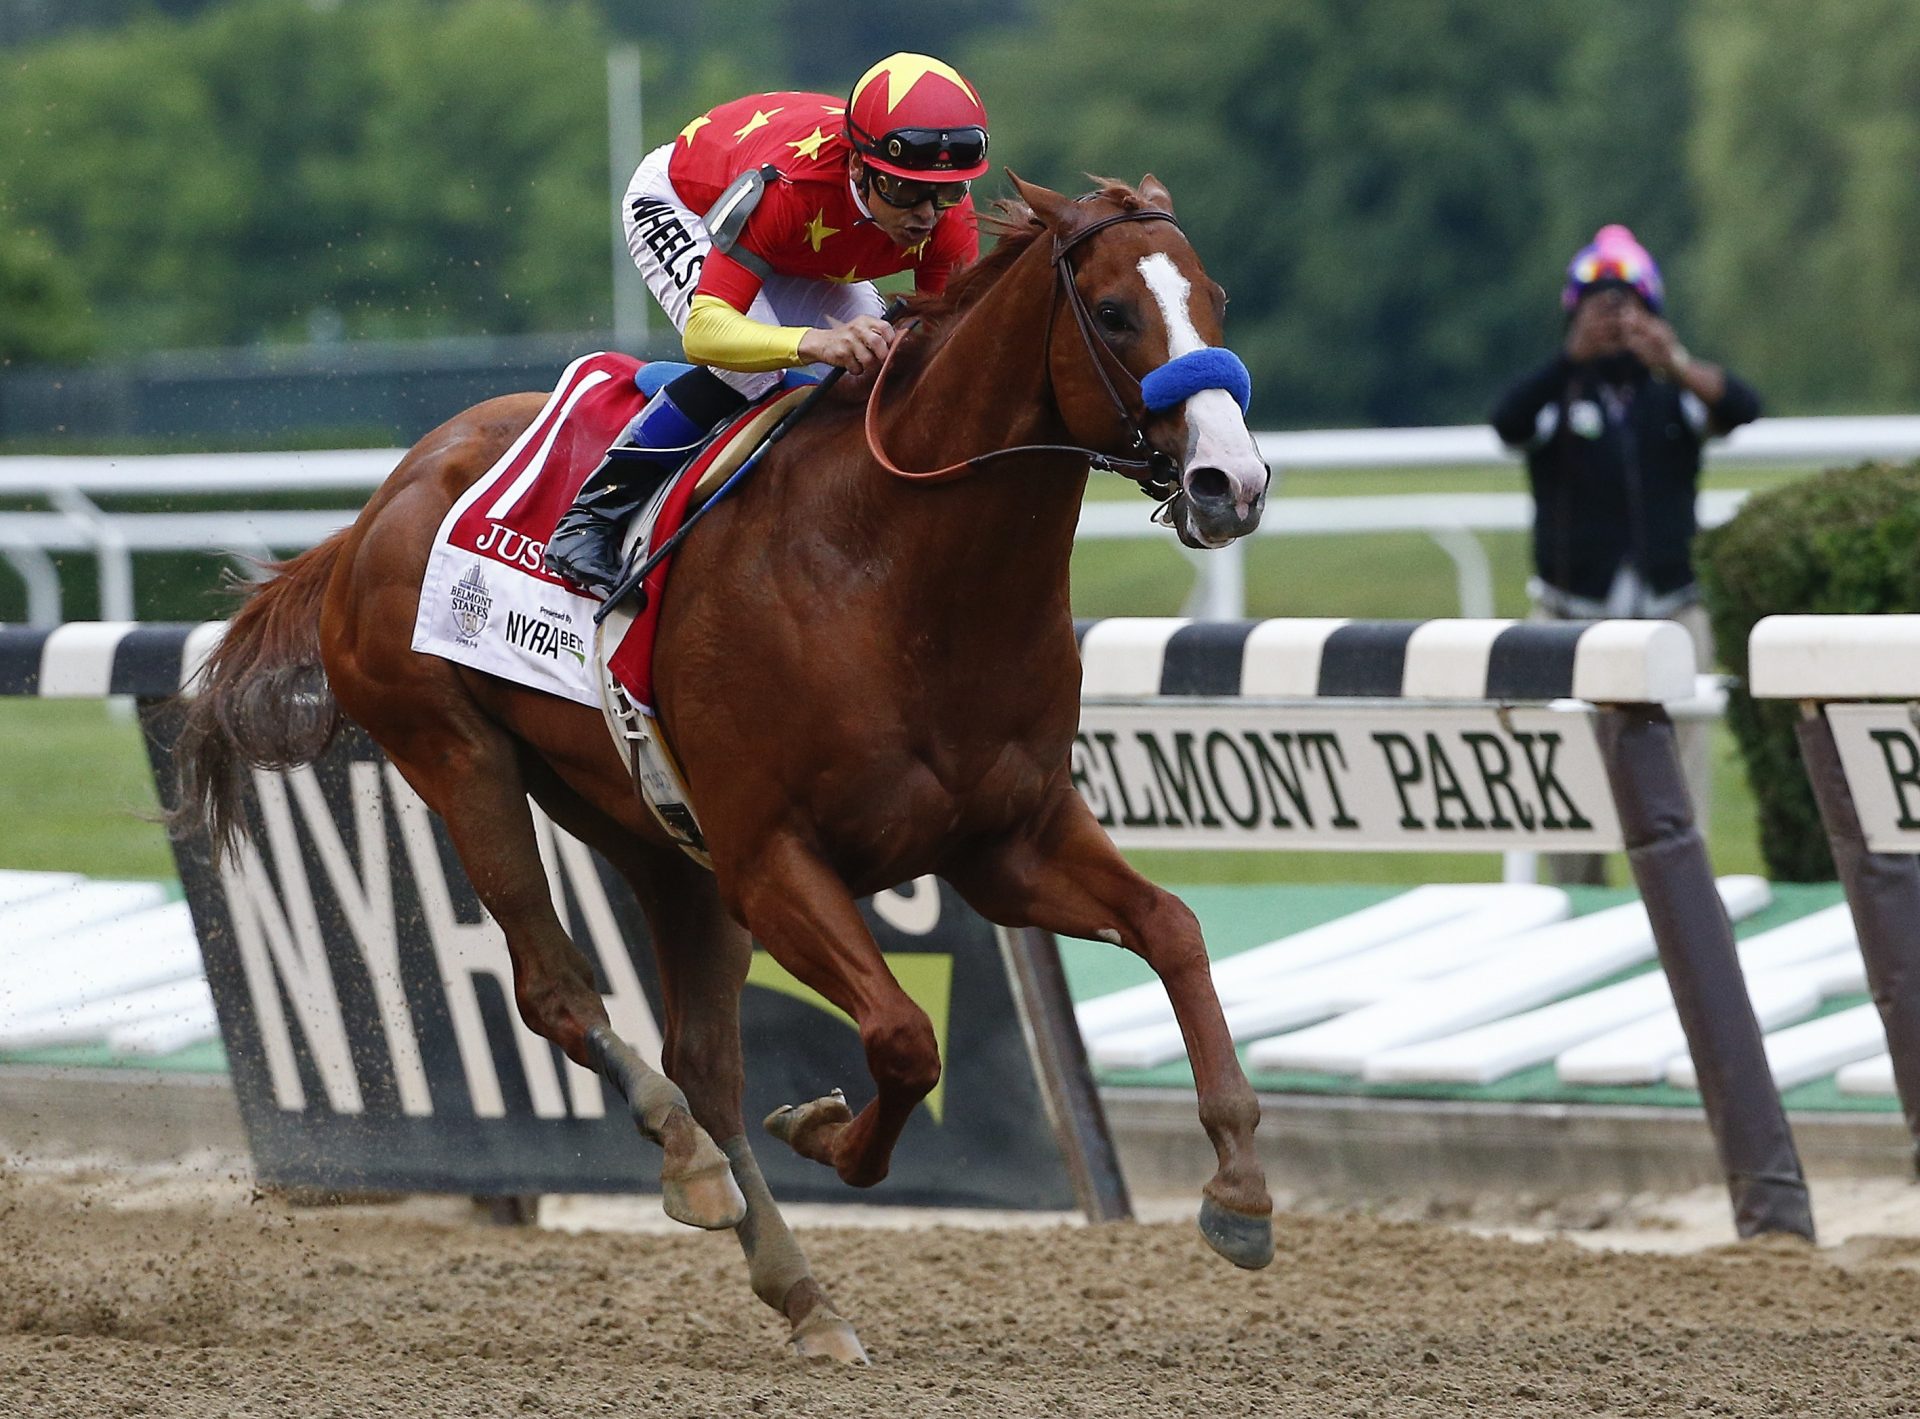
[{"x": 915, "y": 117}]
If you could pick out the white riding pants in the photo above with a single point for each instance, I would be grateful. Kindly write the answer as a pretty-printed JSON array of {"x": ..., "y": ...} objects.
[{"x": 669, "y": 243}]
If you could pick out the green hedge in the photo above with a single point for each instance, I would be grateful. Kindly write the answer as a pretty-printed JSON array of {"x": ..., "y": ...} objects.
[{"x": 1847, "y": 541}]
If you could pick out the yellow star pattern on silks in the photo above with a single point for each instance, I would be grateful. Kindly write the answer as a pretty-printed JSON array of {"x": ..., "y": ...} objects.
[
  {"x": 833, "y": 108},
  {"x": 853, "y": 274},
  {"x": 909, "y": 71},
  {"x": 810, "y": 146},
  {"x": 817, "y": 230},
  {"x": 760, "y": 119},
  {"x": 694, "y": 127},
  {"x": 916, "y": 252}
]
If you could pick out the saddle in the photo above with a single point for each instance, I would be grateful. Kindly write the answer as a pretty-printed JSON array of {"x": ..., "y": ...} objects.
[
  {"x": 624, "y": 642},
  {"x": 487, "y": 602},
  {"x": 719, "y": 458}
]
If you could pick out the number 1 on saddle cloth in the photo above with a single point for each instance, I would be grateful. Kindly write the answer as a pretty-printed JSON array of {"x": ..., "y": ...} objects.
[{"x": 585, "y": 545}]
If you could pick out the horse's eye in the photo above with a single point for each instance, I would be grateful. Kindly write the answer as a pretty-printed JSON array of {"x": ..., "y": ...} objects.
[{"x": 1113, "y": 318}]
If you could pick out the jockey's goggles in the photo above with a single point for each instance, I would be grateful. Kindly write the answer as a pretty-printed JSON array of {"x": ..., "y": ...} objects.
[
  {"x": 931, "y": 149},
  {"x": 904, "y": 192}
]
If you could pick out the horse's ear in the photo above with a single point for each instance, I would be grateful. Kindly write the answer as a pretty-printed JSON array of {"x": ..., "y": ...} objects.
[
  {"x": 1154, "y": 193},
  {"x": 1049, "y": 206}
]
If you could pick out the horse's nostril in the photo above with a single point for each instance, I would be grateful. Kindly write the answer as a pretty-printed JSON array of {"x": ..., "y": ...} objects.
[{"x": 1209, "y": 485}]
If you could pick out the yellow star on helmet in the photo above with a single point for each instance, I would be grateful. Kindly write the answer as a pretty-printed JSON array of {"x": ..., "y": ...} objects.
[
  {"x": 760, "y": 119},
  {"x": 694, "y": 127},
  {"x": 810, "y": 146},
  {"x": 853, "y": 274},
  {"x": 903, "y": 71},
  {"x": 817, "y": 230}
]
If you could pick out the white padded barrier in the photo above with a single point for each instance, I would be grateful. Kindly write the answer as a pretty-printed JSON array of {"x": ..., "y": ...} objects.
[
  {"x": 1809, "y": 1051},
  {"x": 111, "y": 957},
  {"x": 1604, "y": 662},
  {"x": 1861, "y": 761},
  {"x": 25, "y": 926},
  {"x": 1638, "y": 662},
  {"x": 1312, "y": 989},
  {"x": 1532, "y": 969},
  {"x": 1642, "y": 1052},
  {"x": 92, "y": 659},
  {"x": 1493, "y": 1051},
  {"x": 1835, "y": 658},
  {"x": 1250, "y": 971},
  {"x": 1398, "y": 967},
  {"x": 80, "y": 1023},
  {"x": 166, "y": 1033},
  {"x": 1639, "y": 1052},
  {"x": 1872, "y": 1077},
  {"x": 17, "y": 887},
  {"x": 81, "y": 959}
]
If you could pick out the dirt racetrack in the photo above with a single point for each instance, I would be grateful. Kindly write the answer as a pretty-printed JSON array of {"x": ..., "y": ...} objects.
[{"x": 208, "y": 1302}]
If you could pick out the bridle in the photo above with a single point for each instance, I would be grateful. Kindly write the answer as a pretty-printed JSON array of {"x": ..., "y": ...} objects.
[{"x": 1156, "y": 473}]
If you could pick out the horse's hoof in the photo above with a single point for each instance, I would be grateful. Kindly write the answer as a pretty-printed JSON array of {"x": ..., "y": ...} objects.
[
  {"x": 1243, "y": 1239},
  {"x": 709, "y": 1199},
  {"x": 809, "y": 1129},
  {"x": 825, "y": 1336},
  {"x": 696, "y": 1181}
]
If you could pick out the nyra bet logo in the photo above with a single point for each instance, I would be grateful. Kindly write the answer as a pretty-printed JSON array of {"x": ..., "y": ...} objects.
[{"x": 549, "y": 634}]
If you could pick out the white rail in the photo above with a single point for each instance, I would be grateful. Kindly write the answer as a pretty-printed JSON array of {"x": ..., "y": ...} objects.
[
  {"x": 1770, "y": 441},
  {"x": 1453, "y": 520}
]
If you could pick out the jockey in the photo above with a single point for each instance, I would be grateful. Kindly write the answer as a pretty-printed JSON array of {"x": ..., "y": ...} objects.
[{"x": 760, "y": 230}]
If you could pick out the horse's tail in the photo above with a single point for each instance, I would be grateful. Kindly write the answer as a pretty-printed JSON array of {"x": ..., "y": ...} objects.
[{"x": 263, "y": 699}]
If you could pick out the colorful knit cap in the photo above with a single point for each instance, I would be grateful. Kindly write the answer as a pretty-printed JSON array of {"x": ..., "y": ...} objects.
[{"x": 1614, "y": 255}]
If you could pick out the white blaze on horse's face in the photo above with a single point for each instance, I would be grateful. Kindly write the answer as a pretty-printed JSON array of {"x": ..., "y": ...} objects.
[{"x": 1223, "y": 474}]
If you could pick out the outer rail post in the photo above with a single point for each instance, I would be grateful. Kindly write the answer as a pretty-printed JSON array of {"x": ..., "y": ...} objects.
[
  {"x": 1883, "y": 894},
  {"x": 1695, "y": 941},
  {"x": 42, "y": 580}
]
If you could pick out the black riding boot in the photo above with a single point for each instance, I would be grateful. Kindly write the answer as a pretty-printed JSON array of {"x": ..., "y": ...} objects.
[{"x": 585, "y": 545}]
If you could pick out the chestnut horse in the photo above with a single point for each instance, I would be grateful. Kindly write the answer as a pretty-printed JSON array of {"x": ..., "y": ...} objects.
[{"x": 865, "y": 678}]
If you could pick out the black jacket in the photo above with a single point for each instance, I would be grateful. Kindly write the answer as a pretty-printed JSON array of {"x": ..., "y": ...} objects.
[{"x": 1614, "y": 469}]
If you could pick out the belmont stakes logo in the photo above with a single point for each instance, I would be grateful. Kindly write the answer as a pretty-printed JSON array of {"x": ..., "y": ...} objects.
[{"x": 471, "y": 604}]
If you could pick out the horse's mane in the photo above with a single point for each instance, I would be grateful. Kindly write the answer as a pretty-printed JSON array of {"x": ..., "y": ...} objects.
[{"x": 1017, "y": 227}]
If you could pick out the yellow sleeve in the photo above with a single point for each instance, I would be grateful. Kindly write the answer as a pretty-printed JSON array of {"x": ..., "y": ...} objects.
[{"x": 717, "y": 334}]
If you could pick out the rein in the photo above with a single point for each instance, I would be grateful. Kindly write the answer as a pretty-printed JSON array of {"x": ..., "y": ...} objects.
[{"x": 1156, "y": 473}]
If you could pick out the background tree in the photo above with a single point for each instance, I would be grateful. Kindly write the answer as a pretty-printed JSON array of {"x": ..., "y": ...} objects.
[
  {"x": 1610, "y": 139},
  {"x": 402, "y": 169},
  {"x": 1804, "y": 158},
  {"x": 1389, "y": 191},
  {"x": 40, "y": 303}
]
